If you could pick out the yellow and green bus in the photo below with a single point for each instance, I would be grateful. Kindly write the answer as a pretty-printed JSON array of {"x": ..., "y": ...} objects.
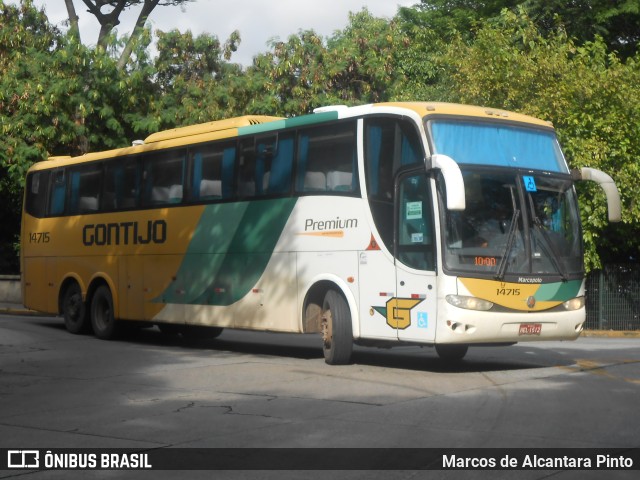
[{"x": 385, "y": 224}]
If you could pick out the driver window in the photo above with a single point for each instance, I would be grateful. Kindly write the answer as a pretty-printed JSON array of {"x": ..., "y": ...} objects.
[{"x": 415, "y": 223}]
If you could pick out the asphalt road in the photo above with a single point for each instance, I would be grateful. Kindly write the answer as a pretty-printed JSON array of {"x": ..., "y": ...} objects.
[{"x": 149, "y": 391}]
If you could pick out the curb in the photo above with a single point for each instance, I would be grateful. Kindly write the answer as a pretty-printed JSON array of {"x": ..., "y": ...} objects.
[
  {"x": 611, "y": 333},
  {"x": 22, "y": 312}
]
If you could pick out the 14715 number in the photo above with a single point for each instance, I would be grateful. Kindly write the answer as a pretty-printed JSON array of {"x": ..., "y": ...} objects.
[{"x": 39, "y": 237}]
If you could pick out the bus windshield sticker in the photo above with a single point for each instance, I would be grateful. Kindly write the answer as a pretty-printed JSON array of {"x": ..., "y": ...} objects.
[
  {"x": 414, "y": 210},
  {"x": 530, "y": 184}
]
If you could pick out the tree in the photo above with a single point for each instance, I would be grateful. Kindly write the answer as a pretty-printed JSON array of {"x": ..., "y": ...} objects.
[
  {"x": 110, "y": 19},
  {"x": 355, "y": 65},
  {"x": 189, "y": 74},
  {"x": 362, "y": 59}
]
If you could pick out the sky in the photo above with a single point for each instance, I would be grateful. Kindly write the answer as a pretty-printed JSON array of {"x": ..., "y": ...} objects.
[{"x": 257, "y": 20}]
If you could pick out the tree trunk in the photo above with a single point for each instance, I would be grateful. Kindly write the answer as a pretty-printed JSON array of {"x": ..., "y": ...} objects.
[
  {"x": 147, "y": 8},
  {"x": 74, "y": 29}
]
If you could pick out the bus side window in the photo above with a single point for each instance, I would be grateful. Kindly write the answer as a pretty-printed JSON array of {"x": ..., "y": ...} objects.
[
  {"x": 246, "y": 186},
  {"x": 163, "y": 178},
  {"x": 58, "y": 193},
  {"x": 274, "y": 164},
  {"x": 212, "y": 171},
  {"x": 36, "y": 198},
  {"x": 85, "y": 183},
  {"x": 327, "y": 159},
  {"x": 121, "y": 185},
  {"x": 308, "y": 180}
]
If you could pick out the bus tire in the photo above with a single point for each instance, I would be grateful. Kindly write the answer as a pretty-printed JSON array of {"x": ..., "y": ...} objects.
[
  {"x": 451, "y": 352},
  {"x": 337, "y": 336},
  {"x": 74, "y": 310},
  {"x": 102, "y": 315}
]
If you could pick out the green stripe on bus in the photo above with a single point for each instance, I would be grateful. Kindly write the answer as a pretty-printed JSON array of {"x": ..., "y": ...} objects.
[
  {"x": 229, "y": 251},
  {"x": 288, "y": 123},
  {"x": 560, "y": 291}
]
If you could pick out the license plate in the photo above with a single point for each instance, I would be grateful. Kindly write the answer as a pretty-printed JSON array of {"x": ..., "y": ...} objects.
[{"x": 530, "y": 329}]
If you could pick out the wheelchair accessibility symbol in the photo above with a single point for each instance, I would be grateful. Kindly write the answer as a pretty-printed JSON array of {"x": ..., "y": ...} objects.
[{"x": 423, "y": 320}]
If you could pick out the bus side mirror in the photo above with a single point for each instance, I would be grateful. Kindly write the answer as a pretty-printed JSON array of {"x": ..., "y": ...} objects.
[
  {"x": 452, "y": 179},
  {"x": 608, "y": 185}
]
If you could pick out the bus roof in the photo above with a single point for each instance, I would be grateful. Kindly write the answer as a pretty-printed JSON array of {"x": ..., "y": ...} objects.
[
  {"x": 216, "y": 126},
  {"x": 426, "y": 109},
  {"x": 253, "y": 124}
]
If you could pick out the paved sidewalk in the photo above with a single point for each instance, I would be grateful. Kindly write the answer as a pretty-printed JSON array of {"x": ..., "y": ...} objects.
[{"x": 17, "y": 309}]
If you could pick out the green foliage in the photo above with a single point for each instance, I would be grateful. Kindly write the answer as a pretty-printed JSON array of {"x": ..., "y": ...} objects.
[
  {"x": 455, "y": 16},
  {"x": 26, "y": 39},
  {"x": 354, "y": 66},
  {"x": 189, "y": 81},
  {"x": 617, "y": 22}
]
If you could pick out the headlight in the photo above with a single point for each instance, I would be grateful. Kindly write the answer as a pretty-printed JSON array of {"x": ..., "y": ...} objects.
[
  {"x": 470, "y": 303},
  {"x": 574, "y": 304}
]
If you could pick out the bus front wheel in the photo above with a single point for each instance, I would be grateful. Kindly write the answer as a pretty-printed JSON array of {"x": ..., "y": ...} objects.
[
  {"x": 102, "y": 316},
  {"x": 337, "y": 337},
  {"x": 451, "y": 352}
]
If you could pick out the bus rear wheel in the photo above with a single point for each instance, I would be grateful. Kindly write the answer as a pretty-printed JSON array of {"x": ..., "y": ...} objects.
[
  {"x": 74, "y": 310},
  {"x": 451, "y": 352},
  {"x": 102, "y": 316},
  {"x": 337, "y": 336}
]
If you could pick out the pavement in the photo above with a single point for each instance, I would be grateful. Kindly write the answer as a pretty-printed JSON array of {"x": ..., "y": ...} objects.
[{"x": 8, "y": 308}]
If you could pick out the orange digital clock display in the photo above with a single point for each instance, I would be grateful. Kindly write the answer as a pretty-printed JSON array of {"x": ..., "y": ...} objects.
[{"x": 486, "y": 261}]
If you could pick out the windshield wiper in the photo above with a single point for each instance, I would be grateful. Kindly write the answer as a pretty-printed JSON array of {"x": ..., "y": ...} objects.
[
  {"x": 553, "y": 253},
  {"x": 510, "y": 238}
]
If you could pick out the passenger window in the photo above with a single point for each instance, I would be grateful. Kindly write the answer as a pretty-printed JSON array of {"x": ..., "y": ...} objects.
[
  {"x": 58, "y": 193},
  {"x": 163, "y": 175},
  {"x": 246, "y": 186},
  {"x": 274, "y": 164},
  {"x": 212, "y": 177},
  {"x": 85, "y": 185},
  {"x": 36, "y": 198},
  {"x": 327, "y": 159},
  {"x": 122, "y": 184}
]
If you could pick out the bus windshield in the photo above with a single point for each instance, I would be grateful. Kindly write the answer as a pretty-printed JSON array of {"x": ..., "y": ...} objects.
[
  {"x": 514, "y": 224},
  {"x": 498, "y": 145}
]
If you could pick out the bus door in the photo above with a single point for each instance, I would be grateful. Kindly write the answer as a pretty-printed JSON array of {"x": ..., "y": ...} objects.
[{"x": 414, "y": 312}]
